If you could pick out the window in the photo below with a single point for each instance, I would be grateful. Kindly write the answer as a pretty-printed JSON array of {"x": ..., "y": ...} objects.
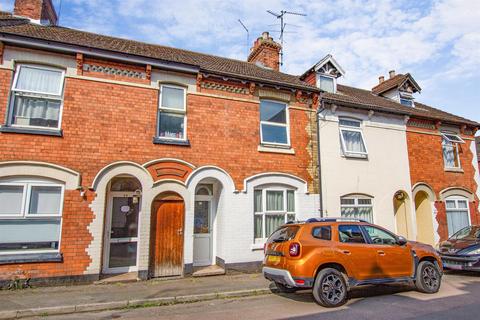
[
  {"x": 274, "y": 123},
  {"x": 406, "y": 102},
  {"x": 284, "y": 234},
  {"x": 450, "y": 147},
  {"x": 326, "y": 83},
  {"x": 172, "y": 113},
  {"x": 379, "y": 236},
  {"x": 323, "y": 233},
  {"x": 351, "y": 136},
  {"x": 36, "y": 97},
  {"x": 350, "y": 234},
  {"x": 458, "y": 216},
  {"x": 357, "y": 207},
  {"x": 30, "y": 215},
  {"x": 272, "y": 208}
]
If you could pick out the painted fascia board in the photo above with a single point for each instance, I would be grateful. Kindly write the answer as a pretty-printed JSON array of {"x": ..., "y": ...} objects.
[{"x": 331, "y": 59}]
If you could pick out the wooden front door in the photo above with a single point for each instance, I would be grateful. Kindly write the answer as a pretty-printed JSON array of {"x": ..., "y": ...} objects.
[{"x": 167, "y": 225}]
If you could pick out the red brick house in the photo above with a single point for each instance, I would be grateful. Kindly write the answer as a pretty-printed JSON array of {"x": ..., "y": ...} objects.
[{"x": 120, "y": 156}]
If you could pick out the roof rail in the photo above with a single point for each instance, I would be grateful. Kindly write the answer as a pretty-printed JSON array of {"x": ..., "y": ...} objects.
[{"x": 335, "y": 219}]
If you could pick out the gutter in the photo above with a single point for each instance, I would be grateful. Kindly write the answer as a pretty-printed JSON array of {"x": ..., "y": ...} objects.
[{"x": 320, "y": 186}]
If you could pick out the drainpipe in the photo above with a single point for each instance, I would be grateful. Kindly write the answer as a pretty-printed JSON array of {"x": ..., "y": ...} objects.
[{"x": 319, "y": 111}]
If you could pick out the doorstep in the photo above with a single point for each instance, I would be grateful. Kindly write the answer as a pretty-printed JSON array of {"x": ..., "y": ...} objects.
[
  {"x": 209, "y": 271},
  {"x": 121, "y": 277}
]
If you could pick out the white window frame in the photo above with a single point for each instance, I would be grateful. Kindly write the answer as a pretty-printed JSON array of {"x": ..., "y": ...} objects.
[
  {"x": 162, "y": 109},
  {"x": 27, "y": 185},
  {"x": 265, "y": 212},
  {"x": 286, "y": 125},
  {"x": 406, "y": 99},
  {"x": 334, "y": 80},
  {"x": 455, "y": 146},
  {"x": 343, "y": 128},
  {"x": 356, "y": 204},
  {"x": 456, "y": 199},
  {"x": 42, "y": 95}
]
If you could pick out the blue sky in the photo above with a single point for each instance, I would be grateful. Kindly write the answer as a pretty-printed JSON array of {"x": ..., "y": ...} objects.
[{"x": 438, "y": 42}]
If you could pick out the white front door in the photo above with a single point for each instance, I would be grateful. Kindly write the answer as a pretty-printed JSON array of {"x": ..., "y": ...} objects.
[
  {"x": 121, "y": 233},
  {"x": 202, "y": 232}
]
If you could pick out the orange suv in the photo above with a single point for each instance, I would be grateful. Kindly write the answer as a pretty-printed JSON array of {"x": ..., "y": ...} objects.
[{"x": 331, "y": 255}]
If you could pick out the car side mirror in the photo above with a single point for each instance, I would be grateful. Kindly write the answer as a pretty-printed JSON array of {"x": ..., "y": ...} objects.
[{"x": 401, "y": 241}]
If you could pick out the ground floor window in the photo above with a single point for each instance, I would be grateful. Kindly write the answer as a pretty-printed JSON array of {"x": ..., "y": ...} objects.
[
  {"x": 272, "y": 208},
  {"x": 30, "y": 215},
  {"x": 457, "y": 214},
  {"x": 357, "y": 207}
]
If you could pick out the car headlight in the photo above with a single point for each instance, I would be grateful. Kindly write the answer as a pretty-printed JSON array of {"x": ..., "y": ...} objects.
[{"x": 473, "y": 251}]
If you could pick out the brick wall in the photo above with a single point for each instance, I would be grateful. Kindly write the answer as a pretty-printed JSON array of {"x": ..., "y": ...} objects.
[
  {"x": 426, "y": 165},
  {"x": 106, "y": 122}
]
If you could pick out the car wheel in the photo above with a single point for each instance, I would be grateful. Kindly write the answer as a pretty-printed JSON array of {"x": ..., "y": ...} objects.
[
  {"x": 284, "y": 288},
  {"x": 428, "y": 277},
  {"x": 330, "y": 288}
]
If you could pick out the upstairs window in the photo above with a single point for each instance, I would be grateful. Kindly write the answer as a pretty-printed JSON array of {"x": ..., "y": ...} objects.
[
  {"x": 172, "y": 113},
  {"x": 351, "y": 136},
  {"x": 30, "y": 215},
  {"x": 450, "y": 146},
  {"x": 326, "y": 83},
  {"x": 357, "y": 207},
  {"x": 272, "y": 208},
  {"x": 458, "y": 215},
  {"x": 36, "y": 97},
  {"x": 274, "y": 123}
]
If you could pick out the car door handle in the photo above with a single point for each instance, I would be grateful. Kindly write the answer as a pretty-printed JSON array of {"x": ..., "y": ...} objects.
[
  {"x": 380, "y": 252},
  {"x": 346, "y": 252}
]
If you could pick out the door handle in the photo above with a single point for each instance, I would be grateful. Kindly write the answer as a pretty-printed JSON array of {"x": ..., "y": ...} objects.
[
  {"x": 380, "y": 252},
  {"x": 179, "y": 232},
  {"x": 346, "y": 252}
]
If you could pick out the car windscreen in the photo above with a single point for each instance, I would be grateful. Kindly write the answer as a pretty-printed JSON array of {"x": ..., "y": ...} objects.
[
  {"x": 467, "y": 233},
  {"x": 283, "y": 234}
]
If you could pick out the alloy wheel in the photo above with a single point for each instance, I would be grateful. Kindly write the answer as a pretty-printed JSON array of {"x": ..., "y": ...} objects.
[
  {"x": 430, "y": 277},
  {"x": 333, "y": 289}
]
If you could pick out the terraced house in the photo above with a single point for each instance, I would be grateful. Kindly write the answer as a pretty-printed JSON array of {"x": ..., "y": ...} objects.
[{"x": 119, "y": 156}]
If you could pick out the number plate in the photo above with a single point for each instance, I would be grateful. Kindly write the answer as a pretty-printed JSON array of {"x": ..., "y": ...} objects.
[{"x": 273, "y": 259}]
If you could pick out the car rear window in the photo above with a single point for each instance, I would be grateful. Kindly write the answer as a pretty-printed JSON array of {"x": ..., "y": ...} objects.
[
  {"x": 284, "y": 234},
  {"x": 350, "y": 234},
  {"x": 323, "y": 233}
]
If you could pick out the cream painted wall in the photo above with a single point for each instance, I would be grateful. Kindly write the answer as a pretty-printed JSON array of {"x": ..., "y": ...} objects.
[{"x": 385, "y": 172}]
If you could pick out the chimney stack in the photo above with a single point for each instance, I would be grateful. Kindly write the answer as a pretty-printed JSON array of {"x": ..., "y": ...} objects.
[
  {"x": 39, "y": 11},
  {"x": 266, "y": 52},
  {"x": 391, "y": 73},
  {"x": 381, "y": 79}
]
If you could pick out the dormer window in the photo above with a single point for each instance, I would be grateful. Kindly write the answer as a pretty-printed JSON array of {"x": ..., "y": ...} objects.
[
  {"x": 406, "y": 102},
  {"x": 326, "y": 83}
]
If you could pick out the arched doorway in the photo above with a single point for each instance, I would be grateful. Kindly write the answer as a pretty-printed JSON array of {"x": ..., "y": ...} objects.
[
  {"x": 121, "y": 225},
  {"x": 167, "y": 235},
  {"x": 402, "y": 217},
  {"x": 423, "y": 212}
]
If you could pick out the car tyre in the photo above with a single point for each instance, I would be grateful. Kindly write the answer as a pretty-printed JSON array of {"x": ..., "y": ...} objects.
[
  {"x": 330, "y": 288},
  {"x": 284, "y": 288},
  {"x": 428, "y": 278}
]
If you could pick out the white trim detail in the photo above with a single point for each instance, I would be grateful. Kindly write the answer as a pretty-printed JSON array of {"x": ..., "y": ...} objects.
[
  {"x": 210, "y": 172},
  {"x": 425, "y": 187},
  {"x": 456, "y": 191},
  {"x": 278, "y": 178},
  {"x": 41, "y": 169},
  {"x": 110, "y": 166},
  {"x": 476, "y": 175}
]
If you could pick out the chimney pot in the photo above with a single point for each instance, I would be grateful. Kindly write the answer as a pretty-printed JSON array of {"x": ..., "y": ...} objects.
[
  {"x": 391, "y": 73},
  {"x": 381, "y": 79}
]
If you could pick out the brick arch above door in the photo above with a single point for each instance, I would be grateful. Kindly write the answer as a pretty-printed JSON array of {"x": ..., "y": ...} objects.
[{"x": 169, "y": 169}]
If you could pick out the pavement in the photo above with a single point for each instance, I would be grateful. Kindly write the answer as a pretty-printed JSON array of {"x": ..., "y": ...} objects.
[
  {"x": 96, "y": 297},
  {"x": 458, "y": 299}
]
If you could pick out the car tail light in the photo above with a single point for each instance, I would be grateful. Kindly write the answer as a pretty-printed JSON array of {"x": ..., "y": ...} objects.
[{"x": 294, "y": 249}]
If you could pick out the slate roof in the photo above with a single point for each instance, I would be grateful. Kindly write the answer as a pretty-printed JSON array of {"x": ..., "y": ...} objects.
[
  {"x": 354, "y": 97},
  {"x": 394, "y": 82}
]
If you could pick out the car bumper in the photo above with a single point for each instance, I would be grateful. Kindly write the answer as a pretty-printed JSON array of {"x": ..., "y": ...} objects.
[
  {"x": 461, "y": 262},
  {"x": 284, "y": 277}
]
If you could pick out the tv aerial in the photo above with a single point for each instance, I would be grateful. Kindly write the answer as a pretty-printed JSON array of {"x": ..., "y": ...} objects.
[{"x": 283, "y": 24}]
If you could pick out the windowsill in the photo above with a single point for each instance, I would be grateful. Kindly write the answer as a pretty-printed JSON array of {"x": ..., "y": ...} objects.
[
  {"x": 457, "y": 170},
  {"x": 276, "y": 149},
  {"x": 257, "y": 246},
  {"x": 42, "y": 132},
  {"x": 355, "y": 156},
  {"x": 30, "y": 258},
  {"x": 157, "y": 140}
]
